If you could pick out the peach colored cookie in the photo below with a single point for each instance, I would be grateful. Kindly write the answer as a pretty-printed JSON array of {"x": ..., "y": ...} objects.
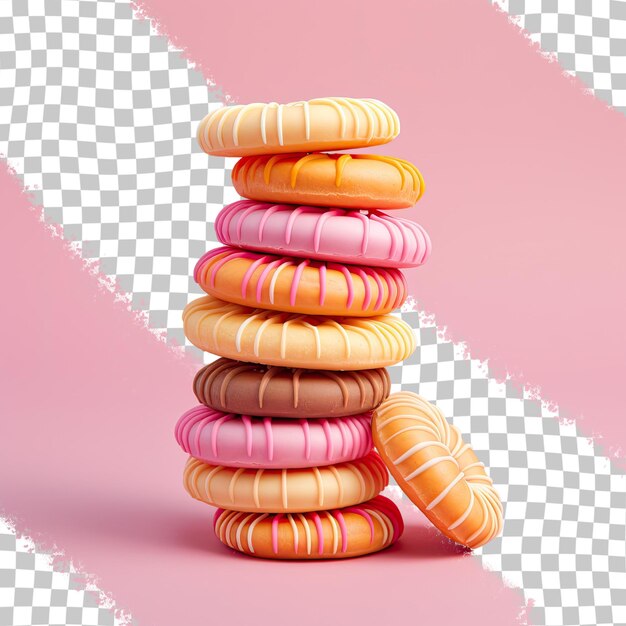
[
  {"x": 438, "y": 472},
  {"x": 309, "y": 126},
  {"x": 266, "y": 390},
  {"x": 286, "y": 490},
  {"x": 351, "y": 181},
  {"x": 291, "y": 340},
  {"x": 299, "y": 285},
  {"x": 336, "y": 534}
]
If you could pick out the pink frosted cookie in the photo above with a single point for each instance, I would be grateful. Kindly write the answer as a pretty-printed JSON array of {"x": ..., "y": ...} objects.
[
  {"x": 361, "y": 238},
  {"x": 264, "y": 442}
]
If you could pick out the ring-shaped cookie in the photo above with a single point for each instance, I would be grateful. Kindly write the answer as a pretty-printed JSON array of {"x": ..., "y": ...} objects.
[
  {"x": 291, "y": 340},
  {"x": 374, "y": 239},
  {"x": 339, "y": 533},
  {"x": 436, "y": 469},
  {"x": 299, "y": 285},
  {"x": 313, "y": 125},
  {"x": 350, "y": 181},
  {"x": 267, "y": 390},
  {"x": 286, "y": 490},
  {"x": 272, "y": 443}
]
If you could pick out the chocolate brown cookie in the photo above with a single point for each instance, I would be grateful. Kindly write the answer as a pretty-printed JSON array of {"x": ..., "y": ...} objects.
[{"x": 253, "y": 389}]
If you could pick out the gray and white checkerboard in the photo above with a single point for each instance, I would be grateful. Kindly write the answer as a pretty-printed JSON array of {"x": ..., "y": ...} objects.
[
  {"x": 587, "y": 37},
  {"x": 97, "y": 116}
]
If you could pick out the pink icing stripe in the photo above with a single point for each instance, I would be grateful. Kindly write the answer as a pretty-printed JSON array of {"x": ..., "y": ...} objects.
[
  {"x": 202, "y": 261},
  {"x": 296, "y": 279},
  {"x": 379, "y": 284},
  {"x": 247, "y": 423},
  {"x": 216, "y": 517},
  {"x": 322, "y": 284},
  {"x": 307, "y": 438},
  {"x": 366, "y": 231},
  {"x": 367, "y": 298},
  {"x": 392, "y": 514},
  {"x": 349, "y": 284},
  {"x": 246, "y": 277},
  {"x": 290, "y": 221},
  {"x": 275, "y": 532},
  {"x": 367, "y": 516},
  {"x": 196, "y": 440},
  {"x": 266, "y": 215},
  {"x": 215, "y": 431},
  {"x": 242, "y": 217},
  {"x": 267, "y": 423},
  {"x": 263, "y": 276},
  {"x": 392, "y": 232},
  {"x": 320, "y": 532},
  {"x": 344, "y": 530},
  {"x": 317, "y": 233},
  {"x": 346, "y": 441},
  {"x": 329, "y": 439}
]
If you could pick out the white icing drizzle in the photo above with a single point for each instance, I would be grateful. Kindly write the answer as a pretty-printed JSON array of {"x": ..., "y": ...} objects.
[
  {"x": 279, "y": 124},
  {"x": 233, "y": 482},
  {"x": 416, "y": 448},
  {"x": 241, "y": 328},
  {"x": 307, "y": 532},
  {"x": 382, "y": 523},
  {"x": 335, "y": 530},
  {"x": 294, "y": 529},
  {"x": 444, "y": 492},
  {"x": 320, "y": 486},
  {"x": 240, "y": 528},
  {"x": 428, "y": 464},
  {"x": 251, "y": 530},
  {"x": 307, "y": 120}
]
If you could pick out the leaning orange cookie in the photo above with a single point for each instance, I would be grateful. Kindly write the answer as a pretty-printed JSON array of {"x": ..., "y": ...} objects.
[
  {"x": 436, "y": 469},
  {"x": 351, "y": 181},
  {"x": 307, "y": 126},
  {"x": 299, "y": 285},
  {"x": 336, "y": 534}
]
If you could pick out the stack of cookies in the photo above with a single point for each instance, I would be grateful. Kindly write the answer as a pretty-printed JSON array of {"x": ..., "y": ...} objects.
[{"x": 298, "y": 308}]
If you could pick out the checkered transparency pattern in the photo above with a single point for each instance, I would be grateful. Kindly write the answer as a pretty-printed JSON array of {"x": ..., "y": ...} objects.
[
  {"x": 588, "y": 37},
  {"x": 97, "y": 115}
]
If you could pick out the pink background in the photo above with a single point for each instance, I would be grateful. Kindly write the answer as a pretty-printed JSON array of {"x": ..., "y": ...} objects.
[{"x": 523, "y": 185}]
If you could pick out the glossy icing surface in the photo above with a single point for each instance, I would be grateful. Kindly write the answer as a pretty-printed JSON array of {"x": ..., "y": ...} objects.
[
  {"x": 286, "y": 490},
  {"x": 263, "y": 442},
  {"x": 337, "y": 533},
  {"x": 331, "y": 123},
  {"x": 360, "y": 238},
  {"x": 256, "y": 389},
  {"x": 291, "y": 340},
  {"x": 299, "y": 285},
  {"x": 436, "y": 469},
  {"x": 355, "y": 181}
]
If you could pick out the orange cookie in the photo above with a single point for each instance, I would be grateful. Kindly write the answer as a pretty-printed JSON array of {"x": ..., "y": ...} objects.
[
  {"x": 286, "y": 490},
  {"x": 351, "y": 181},
  {"x": 319, "y": 124},
  {"x": 336, "y": 534},
  {"x": 299, "y": 285},
  {"x": 439, "y": 472},
  {"x": 291, "y": 340}
]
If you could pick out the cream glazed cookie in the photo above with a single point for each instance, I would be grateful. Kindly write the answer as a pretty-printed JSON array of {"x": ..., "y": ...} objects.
[
  {"x": 291, "y": 340},
  {"x": 320, "y": 124},
  {"x": 286, "y": 490},
  {"x": 335, "y": 534}
]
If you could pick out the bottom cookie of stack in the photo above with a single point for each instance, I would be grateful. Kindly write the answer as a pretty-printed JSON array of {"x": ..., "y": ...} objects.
[{"x": 339, "y": 533}]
